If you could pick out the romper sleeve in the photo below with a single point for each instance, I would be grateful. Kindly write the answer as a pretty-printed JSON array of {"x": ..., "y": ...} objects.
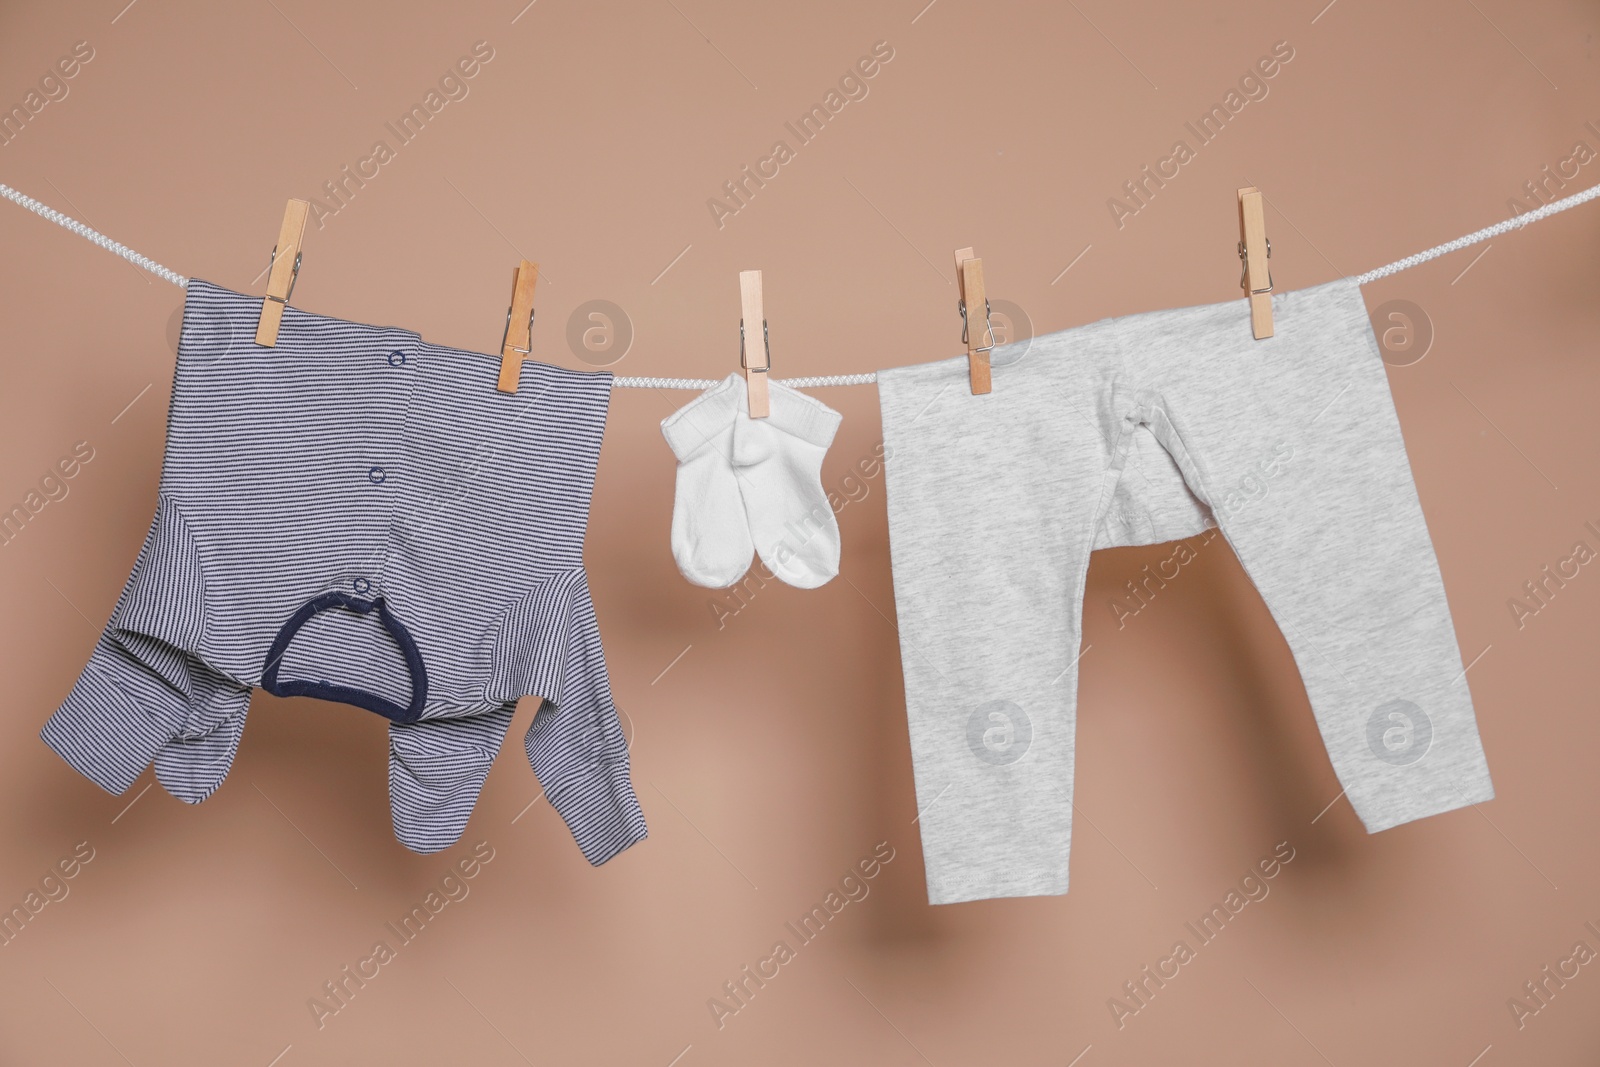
[{"x": 549, "y": 646}]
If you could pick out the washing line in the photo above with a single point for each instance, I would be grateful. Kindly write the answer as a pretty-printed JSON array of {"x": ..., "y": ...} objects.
[{"x": 1517, "y": 222}]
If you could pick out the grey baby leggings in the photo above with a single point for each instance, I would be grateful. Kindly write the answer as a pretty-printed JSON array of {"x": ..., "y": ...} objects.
[{"x": 1136, "y": 430}]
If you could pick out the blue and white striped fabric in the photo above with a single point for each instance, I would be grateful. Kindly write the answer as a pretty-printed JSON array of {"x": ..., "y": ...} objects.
[{"x": 360, "y": 516}]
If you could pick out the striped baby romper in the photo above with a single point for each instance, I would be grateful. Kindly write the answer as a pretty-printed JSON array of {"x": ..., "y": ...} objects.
[{"x": 358, "y": 515}]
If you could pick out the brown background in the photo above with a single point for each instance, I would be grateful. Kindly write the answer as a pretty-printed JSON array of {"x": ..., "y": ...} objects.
[{"x": 773, "y": 755}]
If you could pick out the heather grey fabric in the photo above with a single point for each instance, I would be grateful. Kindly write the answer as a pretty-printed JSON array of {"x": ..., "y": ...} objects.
[{"x": 995, "y": 502}]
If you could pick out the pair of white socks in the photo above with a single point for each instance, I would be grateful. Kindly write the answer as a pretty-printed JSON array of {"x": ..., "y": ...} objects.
[{"x": 752, "y": 485}]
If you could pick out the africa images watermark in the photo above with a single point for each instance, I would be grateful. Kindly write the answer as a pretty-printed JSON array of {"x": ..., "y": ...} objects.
[
  {"x": 853, "y": 887},
  {"x": 1252, "y": 86},
  {"x": 853, "y": 488},
  {"x": 54, "y": 485},
  {"x": 999, "y": 733},
  {"x": 1142, "y": 590},
  {"x": 52, "y": 889},
  {"x": 1253, "y": 487},
  {"x": 53, "y": 87},
  {"x": 338, "y": 992},
  {"x": 1552, "y": 180},
  {"x": 852, "y": 87},
  {"x": 1403, "y": 330},
  {"x": 1399, "y": 733},
  {"x": 1552, "y": 978},
  {"x": 1252, "y": 888},
  {"x": 1539, "y": 591},
  {"x": 452, "y": 87}
]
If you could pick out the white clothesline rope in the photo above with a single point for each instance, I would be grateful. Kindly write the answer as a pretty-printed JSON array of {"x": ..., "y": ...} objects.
[
  {"x": 1487, "y": 233},
  {"x": 103, "y": 241},
  {"x": 1516, "y": 222},
  {"x": 706, "y": 383}
]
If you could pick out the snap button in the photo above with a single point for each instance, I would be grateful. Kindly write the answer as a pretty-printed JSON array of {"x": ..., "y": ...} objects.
[
  {"x": 362, "y": 586},
  {"x": 376, "y": 476},
  {"x": 397, "y": 358}
]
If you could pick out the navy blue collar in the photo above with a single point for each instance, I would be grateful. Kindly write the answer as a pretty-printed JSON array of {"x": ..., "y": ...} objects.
[{"x": 343, "y": 694}]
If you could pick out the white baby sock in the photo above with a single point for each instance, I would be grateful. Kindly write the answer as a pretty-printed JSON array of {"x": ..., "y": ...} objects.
[
  {"x": 710, "y": 537},
  {"x": 778, "y": 461}
]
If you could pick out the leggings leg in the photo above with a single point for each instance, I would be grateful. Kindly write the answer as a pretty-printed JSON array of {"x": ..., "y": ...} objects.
[
  {"x": 1295, "y": 445},
  {"x": 994, "y": 502}
]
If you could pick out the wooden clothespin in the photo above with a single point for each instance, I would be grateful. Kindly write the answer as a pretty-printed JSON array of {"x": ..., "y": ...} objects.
[
  {"x": 753, "y": 311},
  {"x": 969, "y": 278},
  {"x": 284, "y": 272},
  {"x": 1255, "y": 250},
  {"x": 523, "y": 279}
]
